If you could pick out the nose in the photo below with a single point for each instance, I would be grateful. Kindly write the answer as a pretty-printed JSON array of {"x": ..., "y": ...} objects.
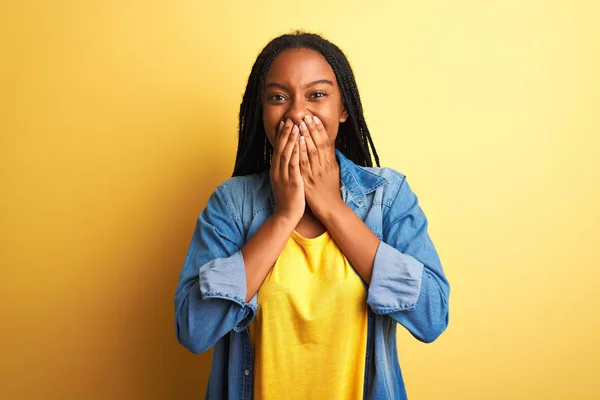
[{"x": 296, "y": 112}]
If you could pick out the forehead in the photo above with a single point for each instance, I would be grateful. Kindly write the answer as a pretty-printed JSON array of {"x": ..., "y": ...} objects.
[{"x": 298, "y": 66}]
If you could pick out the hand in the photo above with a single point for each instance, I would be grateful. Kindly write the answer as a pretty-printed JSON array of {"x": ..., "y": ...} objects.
[
  {"x": 288, "y": 187},
  {"x": 319, "y": 168}
]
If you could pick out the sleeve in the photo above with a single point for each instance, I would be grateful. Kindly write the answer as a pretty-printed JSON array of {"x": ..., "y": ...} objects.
[
  {"x": 209, "y": 299},
  {"x": 408, "y": 282}
]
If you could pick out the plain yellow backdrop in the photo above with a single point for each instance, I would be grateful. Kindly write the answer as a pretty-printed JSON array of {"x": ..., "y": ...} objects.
[{"x": 118, "y": 119}]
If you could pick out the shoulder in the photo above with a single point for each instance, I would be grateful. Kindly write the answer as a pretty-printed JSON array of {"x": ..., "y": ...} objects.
[
  {"x": 237, "y": 184},
  {"x": 244, "y": 193},
  {"x": 391, "y": 175},
  {"x": 390, "y": 182}
]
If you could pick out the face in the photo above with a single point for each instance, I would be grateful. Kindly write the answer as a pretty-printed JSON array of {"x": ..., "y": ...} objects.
[{"x": 301, "y": 82}]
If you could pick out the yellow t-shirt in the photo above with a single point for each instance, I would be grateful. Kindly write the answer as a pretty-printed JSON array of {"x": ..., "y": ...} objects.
[{"x": 309, "y": 334}]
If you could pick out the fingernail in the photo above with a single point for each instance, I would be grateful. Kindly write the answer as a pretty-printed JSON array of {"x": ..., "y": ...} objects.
[
  {"x": 295, "y": 129},
  {"x": 316, "y": 120},
  {"x": 288, "y": 122},
  {"x": 308, "y": 118},
  {"x": 303, "y": 126}
]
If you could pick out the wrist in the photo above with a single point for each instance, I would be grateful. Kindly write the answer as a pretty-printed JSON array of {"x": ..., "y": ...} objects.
[
  {"x": 285, "y": 220},
  {"x": 329, "y": 212}
]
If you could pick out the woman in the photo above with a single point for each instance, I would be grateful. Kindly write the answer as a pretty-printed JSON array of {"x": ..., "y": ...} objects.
[{"x": 303, "y": 262}]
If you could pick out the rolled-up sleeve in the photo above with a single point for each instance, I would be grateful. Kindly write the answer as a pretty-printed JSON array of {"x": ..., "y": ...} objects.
[
  {"x": 408, "y": 282},
  {"x": 225, "y": 278},
  {"x": 395, "y": 282}
]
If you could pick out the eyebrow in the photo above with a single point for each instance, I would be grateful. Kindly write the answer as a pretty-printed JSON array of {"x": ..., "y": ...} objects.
[{"x": 283, "y": 87}]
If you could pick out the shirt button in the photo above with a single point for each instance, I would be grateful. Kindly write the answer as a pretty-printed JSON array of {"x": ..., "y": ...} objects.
[{"x": 246, "y": 372}]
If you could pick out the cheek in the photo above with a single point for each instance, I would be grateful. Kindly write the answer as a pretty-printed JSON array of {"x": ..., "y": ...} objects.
[
  {"x": 270, "y": 126},
  {"x": 270, "y": 136},
  {"x": 330, "y": 118},
  {"x": 332, "y": 128}
]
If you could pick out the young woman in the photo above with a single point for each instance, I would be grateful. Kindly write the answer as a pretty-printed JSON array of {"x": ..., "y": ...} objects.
[{"x": 303, "y": 262}]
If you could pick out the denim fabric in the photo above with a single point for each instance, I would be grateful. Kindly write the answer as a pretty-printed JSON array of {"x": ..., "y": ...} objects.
[{"x": 408, "y": 285}]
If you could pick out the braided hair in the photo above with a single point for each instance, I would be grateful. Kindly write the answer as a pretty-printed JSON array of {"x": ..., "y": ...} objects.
[{"x": 254, "y": 149}]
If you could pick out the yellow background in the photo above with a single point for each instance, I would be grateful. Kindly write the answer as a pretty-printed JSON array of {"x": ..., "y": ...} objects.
[{"x": 118, "y": 119}]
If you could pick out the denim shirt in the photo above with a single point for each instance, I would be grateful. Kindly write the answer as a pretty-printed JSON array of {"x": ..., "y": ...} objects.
[{"x": 408, "y": 285}]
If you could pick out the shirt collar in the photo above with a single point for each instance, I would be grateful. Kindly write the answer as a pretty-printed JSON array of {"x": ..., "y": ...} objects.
[{"x": 357, "y": 181}]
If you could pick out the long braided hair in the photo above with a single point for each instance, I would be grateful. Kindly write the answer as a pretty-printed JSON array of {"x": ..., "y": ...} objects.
[{"x": 254, "y": 149}]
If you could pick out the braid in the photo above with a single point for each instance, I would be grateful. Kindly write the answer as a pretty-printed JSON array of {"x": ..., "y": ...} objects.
[{"x": 353, "y": 140}]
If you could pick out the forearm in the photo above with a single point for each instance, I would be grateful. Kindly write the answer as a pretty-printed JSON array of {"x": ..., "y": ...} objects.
[
  {"x": 263, "y": 249},
  {"x": 358, "y": 243}
]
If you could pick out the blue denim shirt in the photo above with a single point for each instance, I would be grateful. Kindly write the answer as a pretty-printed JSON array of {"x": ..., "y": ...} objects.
[{"x": 408, "y": 285}]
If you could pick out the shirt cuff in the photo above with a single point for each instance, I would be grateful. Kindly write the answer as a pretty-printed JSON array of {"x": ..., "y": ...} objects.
[
  {"x": 225, "y": 278},
  {"x": 395, "y": 281}
]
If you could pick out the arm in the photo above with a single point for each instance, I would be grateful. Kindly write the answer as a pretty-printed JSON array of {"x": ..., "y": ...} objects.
[
  {"x": 408, "y": 282},
  {"x": 261, "y": 252},
  {"x": 221, "y": 296},
  {"x": 405, "y": 278},
  {"x": 214, "y": 295},
  {"x": 358, "y": 243}
]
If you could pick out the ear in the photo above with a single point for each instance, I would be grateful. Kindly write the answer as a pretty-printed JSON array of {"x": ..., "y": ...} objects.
[{"x": 344, "y": 116}]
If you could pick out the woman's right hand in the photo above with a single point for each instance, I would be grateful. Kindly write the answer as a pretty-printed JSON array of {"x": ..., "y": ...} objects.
[{"x": 287, "y": 183}]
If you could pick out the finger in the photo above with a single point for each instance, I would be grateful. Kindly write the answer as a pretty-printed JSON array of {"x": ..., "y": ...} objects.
[
  {"x": 280, "y": 141},
  {"x": 305, "y": 166},
  {"x": 281, "y": 138},
  {"x": 314, "y": 131},
  {"x": 311, "y": 148},
  {"x": 324, "y": 144},
  {"x": 295, "y": 175},
  {"x": 287, "y": 154},
  {"x": 320, "y": 130},
  {"x": 278, "y": 131}
]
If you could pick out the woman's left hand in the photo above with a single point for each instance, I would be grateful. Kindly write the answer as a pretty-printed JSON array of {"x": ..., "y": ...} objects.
[{"x": 319, "y": 168}]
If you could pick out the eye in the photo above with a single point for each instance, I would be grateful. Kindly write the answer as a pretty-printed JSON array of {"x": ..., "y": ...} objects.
[
  {"x": 276, "y": 97},
  {"x": 319, "y": 94}
]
